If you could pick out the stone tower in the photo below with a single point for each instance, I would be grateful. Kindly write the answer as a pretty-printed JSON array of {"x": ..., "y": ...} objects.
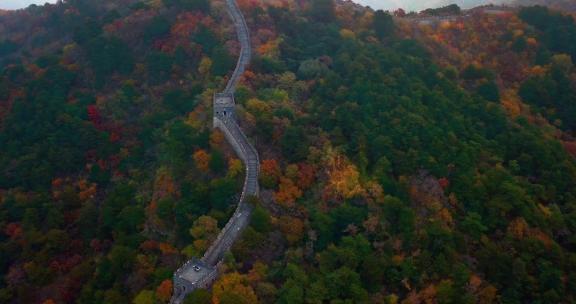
[{"x": 224, "y": 106}]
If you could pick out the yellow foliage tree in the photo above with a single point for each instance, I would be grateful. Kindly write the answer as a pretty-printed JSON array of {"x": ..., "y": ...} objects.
[
  {"x": 562, "y": 62},
  {"x": 144, "y": 297},
  {"x": 234, "y": 167},
  {"x": 204, "y": 230},
  {"x": 233, "y": 288},
  {"x": 347, "y": 34},
  {"x": 258, "y": 107},
  {"x": 343, "y": 177},
  {"x": 205, "y": 66},
  {"x": 292, "y": 172}
]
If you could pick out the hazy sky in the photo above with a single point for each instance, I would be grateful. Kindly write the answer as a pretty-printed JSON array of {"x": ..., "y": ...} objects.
[
  {"x": 384, "y": 4},
  {"x": 13, "y": 4}
]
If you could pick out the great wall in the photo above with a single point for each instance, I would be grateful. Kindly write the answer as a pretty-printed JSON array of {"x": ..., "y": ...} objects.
[{"x": 201, "y": 273}]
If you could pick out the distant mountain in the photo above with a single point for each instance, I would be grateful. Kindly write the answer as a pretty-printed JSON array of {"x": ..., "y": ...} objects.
[
  {"x": 416, "y": 5},
  {"x": 566, "y": 5}
]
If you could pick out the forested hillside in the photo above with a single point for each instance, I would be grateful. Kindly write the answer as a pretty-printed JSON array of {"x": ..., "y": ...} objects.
[{"x": 401, "y": 162}]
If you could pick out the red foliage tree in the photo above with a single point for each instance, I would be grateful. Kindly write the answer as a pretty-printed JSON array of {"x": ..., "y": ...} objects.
[{"x": 94, "y": 116}]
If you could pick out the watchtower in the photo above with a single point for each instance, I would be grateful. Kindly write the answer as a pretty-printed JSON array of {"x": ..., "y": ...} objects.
[
  {"x": 224, "y": 106},
  {"x": 191, "y": 276}
]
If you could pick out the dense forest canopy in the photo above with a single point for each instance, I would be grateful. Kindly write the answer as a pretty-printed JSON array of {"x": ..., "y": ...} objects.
[{"x": 402, "y": 161}]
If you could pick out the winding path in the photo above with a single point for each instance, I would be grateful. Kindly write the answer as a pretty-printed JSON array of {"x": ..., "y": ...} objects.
[{"x": 196, "y": 274}]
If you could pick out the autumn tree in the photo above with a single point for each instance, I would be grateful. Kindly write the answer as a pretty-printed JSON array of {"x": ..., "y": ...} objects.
[
  {"x": 202, "y": 160},
  {"x": 205, "y": 67},
  {"x": 235, "y": 167},
  {"x": 204, "y": 230},
  {"x": 217, "y": 139},
  {"x": 343, "y": 177},
  {"x": 164, "y": 291},
  {"x": 144, "y": 297},
  {"x": 287, "y": 193},
  {"x": 269, "y": 173},
  {"x": 293, "y": 228},
  {"x": 306, "y": 175},
  {"x": 233, "y": 288}
]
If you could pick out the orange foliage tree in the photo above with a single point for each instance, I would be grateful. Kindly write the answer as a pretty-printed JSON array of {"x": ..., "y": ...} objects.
[
  {"x": 202, "y": 160},
  {"x": 287, "y": 193},
  {"x": 519, "y": 228},
  {"x": 164, "y": 185},
  {"x": 216, "y": 138},
  {"x": 270, "y": 173},
  {"x": 164, "y": 291},
  {"x": 306, "y": 176},
  {"x": 292, "y": 227}
]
